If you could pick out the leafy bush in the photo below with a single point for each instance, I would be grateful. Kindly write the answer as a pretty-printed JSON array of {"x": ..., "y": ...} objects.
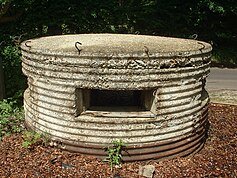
[
  {"x": 11, "y": 117},
  {"x": 14, "y": 78}
]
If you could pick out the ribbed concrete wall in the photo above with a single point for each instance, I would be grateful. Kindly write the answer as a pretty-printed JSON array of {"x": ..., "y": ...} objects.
[{"x": 171, "y": 72}]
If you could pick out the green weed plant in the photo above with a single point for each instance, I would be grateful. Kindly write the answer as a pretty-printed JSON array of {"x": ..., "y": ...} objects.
[
  {"x": 32, "y": 138},
  {"x": 114, "y": 153}
]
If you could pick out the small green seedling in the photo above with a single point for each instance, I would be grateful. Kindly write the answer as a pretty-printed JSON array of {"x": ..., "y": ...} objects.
[
  {"x": 115, "y": 153},
  {"x": 30, "y": 138}
]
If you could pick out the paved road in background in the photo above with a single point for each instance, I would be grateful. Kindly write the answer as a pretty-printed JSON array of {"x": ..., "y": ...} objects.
[
  {"x": 222, "y": 86},
  {"x": 222, "y": 79}
]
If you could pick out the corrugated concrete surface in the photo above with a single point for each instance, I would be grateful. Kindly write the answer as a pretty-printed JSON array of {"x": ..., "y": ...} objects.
[{"x": 169, "y": 74}]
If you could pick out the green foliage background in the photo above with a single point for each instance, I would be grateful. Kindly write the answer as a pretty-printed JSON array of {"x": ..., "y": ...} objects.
[{"x": 213, "y": 20}]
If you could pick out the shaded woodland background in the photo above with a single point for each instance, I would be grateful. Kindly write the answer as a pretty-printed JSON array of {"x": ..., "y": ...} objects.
[{"x": 214, "y": 21}]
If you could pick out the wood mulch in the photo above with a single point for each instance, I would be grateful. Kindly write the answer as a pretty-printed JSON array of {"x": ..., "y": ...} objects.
[{"x": 218, "y": 158}]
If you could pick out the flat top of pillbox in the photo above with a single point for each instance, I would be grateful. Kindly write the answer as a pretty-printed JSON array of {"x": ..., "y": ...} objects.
[{"x": 114, "y": 44}]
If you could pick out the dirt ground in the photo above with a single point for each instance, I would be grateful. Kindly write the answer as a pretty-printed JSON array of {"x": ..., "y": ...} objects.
[{"x": 218, "y": 158}]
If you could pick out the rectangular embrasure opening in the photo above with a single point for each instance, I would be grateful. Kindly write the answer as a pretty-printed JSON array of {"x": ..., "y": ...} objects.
[
  {"x": 115, "y": 98},
  {"x": 115, "y": 102}
]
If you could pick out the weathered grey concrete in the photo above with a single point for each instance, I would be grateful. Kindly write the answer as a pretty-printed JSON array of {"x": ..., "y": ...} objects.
[{"x": 169, "y": 73}]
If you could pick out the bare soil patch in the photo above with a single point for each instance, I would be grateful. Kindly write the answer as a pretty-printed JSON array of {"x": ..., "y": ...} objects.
[{"x": 218, "y": 158}]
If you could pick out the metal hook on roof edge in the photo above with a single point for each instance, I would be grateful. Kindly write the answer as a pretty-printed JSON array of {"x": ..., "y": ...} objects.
[
  {"x": 146, "y": 51},
  {"x": 203, "y": 46},
  {"x": 26, "y": 44},
  {"x": 76, "y": 46},
  {"x": 194, "y": 36}
]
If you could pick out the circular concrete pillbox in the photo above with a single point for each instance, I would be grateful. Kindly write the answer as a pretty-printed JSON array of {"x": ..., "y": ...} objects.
[{"x": 88, "y": 90}]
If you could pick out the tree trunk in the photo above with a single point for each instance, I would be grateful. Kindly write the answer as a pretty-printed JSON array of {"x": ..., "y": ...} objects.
[{"x": 2, "y": 85}]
